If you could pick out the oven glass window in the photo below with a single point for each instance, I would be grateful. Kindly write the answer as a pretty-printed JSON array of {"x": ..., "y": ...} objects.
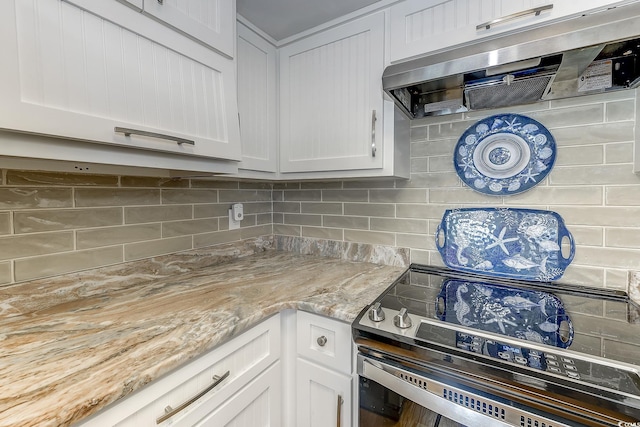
[{"x": 381, "y": 407}]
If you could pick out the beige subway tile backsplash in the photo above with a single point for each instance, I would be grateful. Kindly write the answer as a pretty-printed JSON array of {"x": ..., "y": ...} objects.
[
  {"x": 133, "y": 251},
  {"x": 135, "y": 215},
  {"x": 184, "y": 196},
  {"x": 5, "y": 223},
  {"x": 32, "y": 221},
  {"x": 52, "y": 265},
  {"x": 85, "y": 197},
  {"x": 619, "y": 153},
  {"x": 5, "y": 273},
  {"x": 33, "y": 197},
  {"x": 110, "y": 236},
  {"x": 191, "y": 226},
  {"x": 28, "y": 245},
  {"x": 620, "y": 110}
]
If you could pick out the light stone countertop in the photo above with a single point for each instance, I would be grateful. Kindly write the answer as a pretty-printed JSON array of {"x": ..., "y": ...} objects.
[{"x": 71, "y": 345}]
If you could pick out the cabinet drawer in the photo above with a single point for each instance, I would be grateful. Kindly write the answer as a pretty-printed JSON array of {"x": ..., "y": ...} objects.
[
  {"x": 258, "y": 404},
  {"x": 244, "y": 358},
  {"x": 325, "y": 341}
]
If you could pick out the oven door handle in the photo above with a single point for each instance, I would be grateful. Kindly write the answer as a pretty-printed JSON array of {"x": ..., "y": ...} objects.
[{"x": 389, "y": 377}]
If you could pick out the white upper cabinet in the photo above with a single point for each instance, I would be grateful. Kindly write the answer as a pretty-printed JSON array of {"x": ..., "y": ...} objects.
[
  {"x": 331, "y": 99},
  {"x": 210, "y": 21},
  {"x": 74, "y": 73},
  {"x": 422, "y": 26},
  {"x": 257, "y": 101}
]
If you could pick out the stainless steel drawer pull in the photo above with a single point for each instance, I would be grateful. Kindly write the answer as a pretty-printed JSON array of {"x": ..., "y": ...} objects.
[
  {"x": 129, "y": 132},
  {"x": 373, "y": 133},
  {"x": 340, "y": 402},
  {"x": 170, "y": 412},
  {"x": 535, "y": 11},
  {"x": 321, "y": 341}
]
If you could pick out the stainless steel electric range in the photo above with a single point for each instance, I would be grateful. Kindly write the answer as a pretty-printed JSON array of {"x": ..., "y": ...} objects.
[{"x": 440, "y": 347}]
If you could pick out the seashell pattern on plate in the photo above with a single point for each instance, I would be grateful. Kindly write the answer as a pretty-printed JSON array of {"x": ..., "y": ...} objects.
[
  {"x": 504, "y": 154},
  {"x": 515, "y": 243},
  {"x": 525, "y": 314}
]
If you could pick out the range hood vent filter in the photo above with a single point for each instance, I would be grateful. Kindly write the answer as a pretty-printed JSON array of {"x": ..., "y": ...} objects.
[
  {"x": 499, "y": 94},
  {"x": 583, "y": 55}
]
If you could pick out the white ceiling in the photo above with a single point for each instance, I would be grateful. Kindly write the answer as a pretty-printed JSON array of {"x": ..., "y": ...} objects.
[{"x": 283, "y": 18}]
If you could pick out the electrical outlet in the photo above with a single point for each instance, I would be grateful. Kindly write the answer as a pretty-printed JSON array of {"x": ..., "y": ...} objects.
[{"x": 236, "y": 214}]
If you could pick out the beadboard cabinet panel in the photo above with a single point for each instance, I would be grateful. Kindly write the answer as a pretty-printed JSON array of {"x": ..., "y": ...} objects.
[
  {"x": 419, "y": 26},
  {"x": 257, "y": 101},
  {"x": 81, "y": 76},
  {"x": 209, "y": 21},
  {"x": 257, "y": 405},
  {"x": 330, "y": 97}
]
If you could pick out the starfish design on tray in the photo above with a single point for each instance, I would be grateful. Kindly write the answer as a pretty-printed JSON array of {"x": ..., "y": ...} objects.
[
  {"x": 500, "y": 241},
  {"x": 511, "y": 125},
  {"x": 529, "y": 176},
  {"x": 466, "y": 164},
  {"x": 499, "y": 316}
]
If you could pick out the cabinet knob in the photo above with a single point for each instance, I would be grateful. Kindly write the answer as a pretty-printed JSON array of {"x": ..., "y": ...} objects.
[
  {"x": 322, "y": 341},
  {"x": 375, "y": 313},
  {"x": 402, "y": 319}
]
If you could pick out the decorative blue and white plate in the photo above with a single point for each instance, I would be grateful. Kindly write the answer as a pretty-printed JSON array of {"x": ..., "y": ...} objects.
[
  {"x": 529, "y": 315},
  {"x": 504, "y": 154},
  {"x": 515, "y": 243}
]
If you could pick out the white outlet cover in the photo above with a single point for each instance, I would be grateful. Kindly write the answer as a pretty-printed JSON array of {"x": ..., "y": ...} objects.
[{"x": 233, "y": 224}]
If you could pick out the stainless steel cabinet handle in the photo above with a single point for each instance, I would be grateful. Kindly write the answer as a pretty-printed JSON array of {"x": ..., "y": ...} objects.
[
  {"x": 535, "y": 11},
  {"x": 170, "y": 412},
  {"x": 321, "y": 341},
  {"x": 340, "y": 402},
  {"x": 373, "y": 133},
  {"x": 129, "y": 132}
]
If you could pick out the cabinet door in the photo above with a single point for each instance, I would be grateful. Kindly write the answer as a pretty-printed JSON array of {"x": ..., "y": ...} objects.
[
  {"x": 318, "y": 393},
  {"x": 257, "y": 101},
  {"x": 257, "y": 405},
  {"x": 70, "y": 73},
  {"x": 209, "y": 21},
  {"x": 419, "y": 26},
  {"x": 330, "y": 92}
]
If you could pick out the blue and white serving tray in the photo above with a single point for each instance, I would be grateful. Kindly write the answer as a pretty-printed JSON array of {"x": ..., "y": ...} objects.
[
  {"x": 504, "y": 154},
  {"x": 514, "y": 243},
  {"x": 525, "y": 314}
]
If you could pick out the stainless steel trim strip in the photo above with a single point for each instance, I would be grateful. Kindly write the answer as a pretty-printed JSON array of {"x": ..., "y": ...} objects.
[
  {"x": 171, "y": 412},
  {"x": 535, "y": 11},
  {"x": 129, "y": 132}
]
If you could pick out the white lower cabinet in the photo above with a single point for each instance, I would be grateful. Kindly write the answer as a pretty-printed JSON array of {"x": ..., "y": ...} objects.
[
  {"x": 323, "y": 395},
  {"x": 292, "y": 370},
  {"x": 323, "y": 372}
]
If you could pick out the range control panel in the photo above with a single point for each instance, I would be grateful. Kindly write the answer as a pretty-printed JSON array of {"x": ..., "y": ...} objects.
[
  {"x": 412, "y": 329},
  {"x": 520, "y": 355}
]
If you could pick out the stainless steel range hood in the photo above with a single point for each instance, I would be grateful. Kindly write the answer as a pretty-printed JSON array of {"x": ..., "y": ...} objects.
[{"x": 588, "y": 54}]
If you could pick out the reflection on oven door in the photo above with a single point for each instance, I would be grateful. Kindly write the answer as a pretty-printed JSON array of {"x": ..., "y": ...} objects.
[{"x": 380, "y": 407}]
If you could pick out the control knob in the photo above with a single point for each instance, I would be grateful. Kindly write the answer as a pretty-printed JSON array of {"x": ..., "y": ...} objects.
[
  {"x": 402, "y": 319},
  {"x": 375, "y": 313}
]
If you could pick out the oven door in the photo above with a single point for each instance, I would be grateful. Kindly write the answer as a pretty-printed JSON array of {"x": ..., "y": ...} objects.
[{"x": 392, "y": 395}]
